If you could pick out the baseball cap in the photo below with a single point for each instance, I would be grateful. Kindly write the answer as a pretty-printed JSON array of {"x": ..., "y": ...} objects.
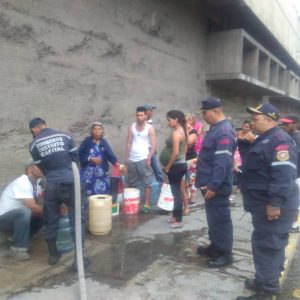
[
  {"x": 288, "y": 119},
  {"x": 266, "y": 109},
  {"x": 35, "y": 122},
  {"x": 149, "y": 106},
  {"x": 210, "y": 103},
  {"x": 96, "y": 123}
]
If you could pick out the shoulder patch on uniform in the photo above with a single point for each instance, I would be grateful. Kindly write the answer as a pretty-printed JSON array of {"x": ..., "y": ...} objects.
[
  {"x": 225, "y": 141},
  {"x": 282, "y": 155},
  {"x": 282, "y": 147}
]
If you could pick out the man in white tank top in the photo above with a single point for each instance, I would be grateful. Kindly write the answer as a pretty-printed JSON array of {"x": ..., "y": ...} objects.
[{"x": 141, "y": 145}]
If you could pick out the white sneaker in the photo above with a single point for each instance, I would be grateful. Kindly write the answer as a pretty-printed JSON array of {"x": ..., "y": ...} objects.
[
  {"x": 295, "y": 229},
  {"x": 19, "y": 254}
]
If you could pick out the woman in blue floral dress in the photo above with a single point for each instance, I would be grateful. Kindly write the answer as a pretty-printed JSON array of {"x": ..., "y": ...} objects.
[{"x": 94, "y": 155}]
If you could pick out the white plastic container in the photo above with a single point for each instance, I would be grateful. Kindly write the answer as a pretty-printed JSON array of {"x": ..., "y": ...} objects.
[{"x": 100, "y": 214}]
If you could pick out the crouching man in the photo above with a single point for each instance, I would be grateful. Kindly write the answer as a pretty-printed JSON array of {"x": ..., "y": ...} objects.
[{"x": 20, "y": 214}]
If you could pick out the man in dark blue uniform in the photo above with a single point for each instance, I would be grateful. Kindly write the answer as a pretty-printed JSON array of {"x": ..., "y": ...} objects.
[
  {"x": 214, "y": 177},
  {"x": 290, "y": 124},
  {"x": 54, "y": 151},
  {"x": 272, "y": 197}
]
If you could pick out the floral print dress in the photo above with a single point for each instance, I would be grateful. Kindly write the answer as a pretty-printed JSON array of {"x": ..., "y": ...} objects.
[{"x": 96, "y": 179}]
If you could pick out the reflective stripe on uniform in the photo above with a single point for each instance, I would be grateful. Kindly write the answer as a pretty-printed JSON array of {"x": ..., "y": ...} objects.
[
  {"x": 284, "y": 163},
  {"x": 223, "y": 152},
  {"x": 36, "y": 162},
  {"x": 73, "y": 149}
]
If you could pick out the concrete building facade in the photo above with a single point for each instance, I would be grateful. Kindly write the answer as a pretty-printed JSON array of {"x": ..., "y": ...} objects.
[{"x": 73, "y": 62}]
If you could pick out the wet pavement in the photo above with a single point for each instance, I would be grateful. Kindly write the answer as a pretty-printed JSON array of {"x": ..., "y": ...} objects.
[
  {"x": 141, "y": 258},
  {"x": 291, "y": 287}
]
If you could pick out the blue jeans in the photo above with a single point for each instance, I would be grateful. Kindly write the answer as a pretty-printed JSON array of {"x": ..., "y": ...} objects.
[
  {"x": 22, "y": 224},
  {"x": 157, "y": 169}
]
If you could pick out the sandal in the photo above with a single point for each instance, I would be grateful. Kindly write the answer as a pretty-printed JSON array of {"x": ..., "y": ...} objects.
[
  {"x": 146, "y": 209},
  {"x": 192, "y": 203},
  {"x": 176, "y": 225},
  {"x": 171, "y": 220},
  {"x": 186, "y": 212}
]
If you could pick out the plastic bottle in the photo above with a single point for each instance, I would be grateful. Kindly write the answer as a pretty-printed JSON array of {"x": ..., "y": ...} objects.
[{"x": 64, "y": 241}]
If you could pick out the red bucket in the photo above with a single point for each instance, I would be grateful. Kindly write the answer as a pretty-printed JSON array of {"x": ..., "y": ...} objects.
[{"x": 131, "y": 201}]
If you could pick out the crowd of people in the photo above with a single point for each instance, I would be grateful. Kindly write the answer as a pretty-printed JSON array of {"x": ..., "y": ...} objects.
[{"x": 263, "y": 158}]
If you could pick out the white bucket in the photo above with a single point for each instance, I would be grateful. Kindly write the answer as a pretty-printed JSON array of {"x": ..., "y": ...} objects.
[{"x": 131, "y": 201}]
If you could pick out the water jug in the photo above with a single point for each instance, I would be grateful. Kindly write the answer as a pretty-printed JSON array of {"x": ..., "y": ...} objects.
[
  {"x": 100, "y": 214},
  {"x": 64, "y": 241}
]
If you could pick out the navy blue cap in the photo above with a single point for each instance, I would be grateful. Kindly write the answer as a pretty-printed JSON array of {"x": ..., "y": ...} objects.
[
  {"x": 35, "y": 122},
  {"x": 149, "y": 106},
  {"x": 266, "y": 109},
  {"x": 210, "y": 103}
]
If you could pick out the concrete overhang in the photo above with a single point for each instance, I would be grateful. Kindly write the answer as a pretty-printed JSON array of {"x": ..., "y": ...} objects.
[
  {"x": 233, "y": 14},
  {"x": 235, "y": 56},
  {"x": 242, "y": 81}
]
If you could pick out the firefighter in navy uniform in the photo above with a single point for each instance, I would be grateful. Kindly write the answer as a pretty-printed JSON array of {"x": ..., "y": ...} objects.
[
  {"x": 214, "y": 172},
  {"x": 271, "y": 196},
  {"x": 54, "y": 151}
]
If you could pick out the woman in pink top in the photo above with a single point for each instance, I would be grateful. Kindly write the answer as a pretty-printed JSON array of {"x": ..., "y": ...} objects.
[{"x": 198, "y": 126}]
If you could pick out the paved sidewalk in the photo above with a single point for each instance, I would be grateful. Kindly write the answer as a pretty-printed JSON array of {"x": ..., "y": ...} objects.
[{"x": 142, "y": 258}]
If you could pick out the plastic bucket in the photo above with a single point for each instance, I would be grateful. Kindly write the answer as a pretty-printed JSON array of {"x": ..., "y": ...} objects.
[
  {"x": 115, "y": 209},
  {"x": 100, "y": 214},
  {"x": 155, "y": 191},
  {"x": 131, "y": 201}
]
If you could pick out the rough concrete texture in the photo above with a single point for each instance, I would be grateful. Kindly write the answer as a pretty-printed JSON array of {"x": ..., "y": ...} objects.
[
  {"x": 281, "y": 18},
  {"x": 73, "y": 62},
  {"x": 142, "y": 258}
]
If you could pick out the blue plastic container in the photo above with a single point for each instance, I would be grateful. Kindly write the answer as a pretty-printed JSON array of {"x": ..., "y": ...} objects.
[
  {"x": 64, "y": 241},
  {"x": 154, "y": 193}
]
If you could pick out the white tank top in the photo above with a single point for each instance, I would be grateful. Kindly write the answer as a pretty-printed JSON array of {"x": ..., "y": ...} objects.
[{"x": 140, "y": 143}]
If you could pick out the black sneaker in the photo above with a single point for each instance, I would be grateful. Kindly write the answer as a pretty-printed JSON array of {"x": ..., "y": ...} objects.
[
  {"x": 209, "y": 251},
  {"x": 251, "y": 284},
  {"x": 220, "y": 261}
]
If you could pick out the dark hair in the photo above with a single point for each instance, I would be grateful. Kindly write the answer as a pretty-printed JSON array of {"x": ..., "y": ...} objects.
[
  {"x": 179, "y": 115},
  {"x": 141, "y": 109},
  {"x": 247, "y": 122}
]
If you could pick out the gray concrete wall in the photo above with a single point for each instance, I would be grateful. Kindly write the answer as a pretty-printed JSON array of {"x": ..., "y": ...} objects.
[
  {"x": 235, "y": 99},
  {"x": 73, "y": 62},
  {"x": 281, "y": 19}
]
